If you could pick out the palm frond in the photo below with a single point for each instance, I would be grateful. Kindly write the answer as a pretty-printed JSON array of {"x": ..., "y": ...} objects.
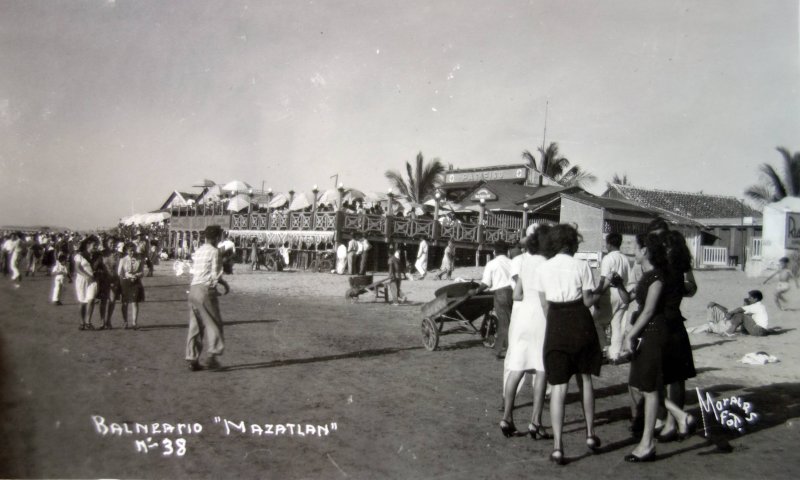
[
  {"x": 760, "y": 194},
  {"x": 773, "y": 180},
  {"x": 397, "y": 182},
  {"x": 530, "y": 159}
]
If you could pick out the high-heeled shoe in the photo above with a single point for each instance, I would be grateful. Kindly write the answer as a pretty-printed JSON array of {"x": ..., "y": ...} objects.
[
  {"x": 557, "y": 457},
  {"x": 648, "y": 457},
  {"x": 507, "y": 428},
  {"x": 691, "y": 426},
  {"x": 593, "y": 443},
  {"x": 670, "y": 436},
  {"x": 537, "y": 432}
]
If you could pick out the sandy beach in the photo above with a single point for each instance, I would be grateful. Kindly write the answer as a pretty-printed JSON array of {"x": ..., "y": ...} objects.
[{"x": 329, "y": 389}]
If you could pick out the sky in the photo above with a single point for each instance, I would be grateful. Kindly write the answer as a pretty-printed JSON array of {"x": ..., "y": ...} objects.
[{"x": 106, "y": 107}]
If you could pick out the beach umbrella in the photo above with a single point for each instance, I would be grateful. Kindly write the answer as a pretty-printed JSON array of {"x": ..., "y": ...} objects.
[
  {"x": 213, "y": 193},
  {"x": 278, "y": 200},
  {"x": 329, "y": 197},
  {"x": 236, "y": 186},
  {"x": 238, "y": 203},
  {"x": 351, "y": 195},
  {"x": 299, "y": 202}
]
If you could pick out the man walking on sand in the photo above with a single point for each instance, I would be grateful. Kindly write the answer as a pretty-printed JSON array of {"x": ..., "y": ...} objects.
[{"x": 205, "y": 320}]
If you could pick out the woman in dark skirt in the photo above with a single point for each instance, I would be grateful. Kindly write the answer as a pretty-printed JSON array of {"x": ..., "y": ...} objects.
[
  {"x": 651, "y": 341},
  {"x": 571, "y": 345},
  {"x": 131, "y": 271}
]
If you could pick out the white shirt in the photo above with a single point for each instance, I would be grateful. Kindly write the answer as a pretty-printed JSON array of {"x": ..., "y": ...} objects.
[
  {"x": 423, "y": 249},
  {"x": 227, "y": 245},
  {"x": 563, "y": 278},
  {"x": 616, "y": 262},
  {"x": 759, "y": 313},
  {"x": 341, "y": 251},
  {"x": 497, "y": 273}
]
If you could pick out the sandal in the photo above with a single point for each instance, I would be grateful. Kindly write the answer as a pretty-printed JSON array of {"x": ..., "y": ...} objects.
[
  {"x": 593, "y": 443},
  {"x": 507, "y": 428},
  {"x": 648, "y": 457},
  {"x": 537, "y": 432}
]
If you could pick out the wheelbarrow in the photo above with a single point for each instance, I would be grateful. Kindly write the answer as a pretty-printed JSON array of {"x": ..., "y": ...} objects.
[{"x": 455, "y": 303}]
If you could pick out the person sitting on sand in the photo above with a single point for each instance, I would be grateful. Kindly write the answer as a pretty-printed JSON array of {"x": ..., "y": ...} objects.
[
  {"x": 752, "y": 317},
  {"x": 784, "y": 274}
]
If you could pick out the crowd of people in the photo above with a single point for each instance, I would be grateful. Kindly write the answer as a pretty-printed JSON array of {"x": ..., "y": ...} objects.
[
  {"x": 104, "y": 269},
  {"x": 543, "y": 301}
]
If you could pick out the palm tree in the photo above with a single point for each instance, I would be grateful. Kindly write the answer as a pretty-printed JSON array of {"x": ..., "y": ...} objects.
[
  {"x": 772, "y": 187},
  {"x": 617, "y": 180},
  {"x": 421, "y": 181},
  {"x": 557, "y": 167}
]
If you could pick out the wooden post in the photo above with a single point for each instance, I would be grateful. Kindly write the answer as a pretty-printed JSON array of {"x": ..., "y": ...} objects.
[
  {"x": 524, "y": 220},
  {"x": 389, "y": 228},
  {"x": 250, "y": 210},
  {"x": 269, "y": 208},
  {"x": 481, "y": 233},
  {"x": 436, "y": 225},
  {"x": 314, "y": 190}
]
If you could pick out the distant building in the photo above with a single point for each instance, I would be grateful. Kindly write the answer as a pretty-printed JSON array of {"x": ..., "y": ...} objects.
[{"x": 730, "y": 224}]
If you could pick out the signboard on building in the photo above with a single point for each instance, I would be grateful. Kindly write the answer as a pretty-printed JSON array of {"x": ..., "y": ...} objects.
[
  {"x": 519, "y": 173},
  {"x": 483, "y": 194},
  {"x": 793, "y": 230}
]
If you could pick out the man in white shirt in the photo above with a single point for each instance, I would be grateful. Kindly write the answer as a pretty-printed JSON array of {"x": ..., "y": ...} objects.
[
  {"x": 497, "y": 279},
  {"x": 610, "y": 309},
  {"x": 352, "y": 252},
  {"x": 422, "y": 258},
  {"x": 205, "y": 320},
  {"x": 227, "y": 249},
  {"x": 363, "y": 250},
  {"x": 752, "y": 317}
]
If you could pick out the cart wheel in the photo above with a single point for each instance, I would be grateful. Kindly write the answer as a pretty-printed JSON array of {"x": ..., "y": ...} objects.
[
  {"x": 271, "y": 264},
  {"x": 489, "y": 331},
  {"x": 430, "y": 334},
  {"x": 351, "y": 294}
]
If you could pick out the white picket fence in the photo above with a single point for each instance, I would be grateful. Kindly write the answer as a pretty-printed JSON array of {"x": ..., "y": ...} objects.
[{"x": 715, "y": 256}]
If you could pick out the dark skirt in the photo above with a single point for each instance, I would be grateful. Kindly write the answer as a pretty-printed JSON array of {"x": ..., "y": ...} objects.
[
  {"x": 648, "y": 361},
  {"x": 571, "y": 345},
  {"x": 678, "y": 358},
  {"x": 132, "y": 291},
  {"x": 108, "y": 287}
]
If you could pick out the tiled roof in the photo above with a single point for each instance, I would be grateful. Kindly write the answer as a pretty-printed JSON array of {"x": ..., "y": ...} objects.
[{"x": 694, "y": 205}]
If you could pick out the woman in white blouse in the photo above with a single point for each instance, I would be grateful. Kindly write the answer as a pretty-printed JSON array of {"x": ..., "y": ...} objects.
[{"x": 571, "y": 345}]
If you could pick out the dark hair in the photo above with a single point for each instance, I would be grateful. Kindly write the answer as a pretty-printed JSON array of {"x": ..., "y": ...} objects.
[
  {"x": 756, "y": 294},
  {"x": 62, "y": 257},
  {"x": 656, "y": 250},
  {"x": 680, "y": 258},
  {"x": 213, "y": 232},
  {"x": 501, "y": 247},
  {"x": 657, "y": 224},
  {"x": 614, "y": 239},
  {"x": 784, "y": 260},
  {"x": 563, "y": 237},
  {"x": 537, "y": 241},
  {"x": 85, "y": 243}
]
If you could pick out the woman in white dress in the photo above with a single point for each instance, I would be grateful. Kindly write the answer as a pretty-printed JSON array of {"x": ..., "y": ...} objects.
[
  {"x": 526, "y": 336},
  {"x": 85, "y": 282}
]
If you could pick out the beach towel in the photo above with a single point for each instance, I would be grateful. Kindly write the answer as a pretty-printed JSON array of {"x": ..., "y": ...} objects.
[{"x": 758, "y": 358}]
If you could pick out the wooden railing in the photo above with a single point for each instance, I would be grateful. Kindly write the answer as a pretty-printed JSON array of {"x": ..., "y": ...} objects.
[
  {"x": 715, "y": 256},
  {"x": 376, "y": 226},
  {"x": 755, "y": 249}
]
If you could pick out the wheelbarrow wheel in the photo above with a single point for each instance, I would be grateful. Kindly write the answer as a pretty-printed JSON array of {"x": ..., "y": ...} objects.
[
  {"x": 352, "y": 295},
  {"x": 271, "y": 264},
  {"x": 430, "y": 334},
  {"x": 489, "y": 330}
]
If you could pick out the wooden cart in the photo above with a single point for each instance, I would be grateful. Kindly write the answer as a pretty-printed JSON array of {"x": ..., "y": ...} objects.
[
  {"x": 455, "y": 303},
  {"x": 361, "y": 284}
]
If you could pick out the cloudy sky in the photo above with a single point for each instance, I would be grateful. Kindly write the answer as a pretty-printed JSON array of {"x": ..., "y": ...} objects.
[{"x": 108, "y": 106}]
